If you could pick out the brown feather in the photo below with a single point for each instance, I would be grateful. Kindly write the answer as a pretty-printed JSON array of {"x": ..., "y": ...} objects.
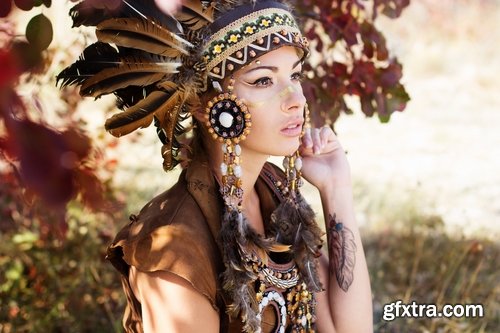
[
  {"x": 128, "y": 74},
  {"x": 95, "y": 58},
  {"x": 142, "y": 34},
  {"x": 167, "y": 117},
  {"x": 342, "y": 252},
  {"x": 194, "y": 15},
  {"x": 280, "y": 247},
  {"x": 138, "y": 116}
]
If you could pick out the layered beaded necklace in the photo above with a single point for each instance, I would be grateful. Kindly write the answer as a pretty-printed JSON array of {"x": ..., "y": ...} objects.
[{"x": 279, "y": 286}]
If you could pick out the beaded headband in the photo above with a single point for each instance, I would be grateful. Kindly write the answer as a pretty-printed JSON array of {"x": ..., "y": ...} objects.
[{"x": 248, "y": 32}]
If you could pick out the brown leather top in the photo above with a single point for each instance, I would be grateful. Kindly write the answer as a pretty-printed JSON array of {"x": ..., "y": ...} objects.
[{"x": 177, "y": 232}]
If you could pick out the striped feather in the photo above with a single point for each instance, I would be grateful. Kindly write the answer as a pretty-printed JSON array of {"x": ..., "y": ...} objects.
[
  {"x": 143, "y": 35},
  {"x": 130, "y": 73},
  {"x": 158, "y": 104},
  {"x": 95, "y": 58}
]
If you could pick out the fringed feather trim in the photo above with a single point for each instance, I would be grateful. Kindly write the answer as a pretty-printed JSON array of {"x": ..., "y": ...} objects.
[
  {"x": 294, "y": 223},
  {"x": 237, "y": 276}
]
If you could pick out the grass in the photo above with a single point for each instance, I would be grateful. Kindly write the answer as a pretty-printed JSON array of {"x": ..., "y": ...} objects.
[
  {"x": 412, "y": 257},
  {"x": 410, "y": 254},
  {"x": 432, "y": 267}
]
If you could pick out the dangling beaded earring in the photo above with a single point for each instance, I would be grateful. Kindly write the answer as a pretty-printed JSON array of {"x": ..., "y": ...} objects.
[
  {"x": 293, "y": 166},
  {"x": 229, "y": 122},
  {"x": 293, "y": 163}
]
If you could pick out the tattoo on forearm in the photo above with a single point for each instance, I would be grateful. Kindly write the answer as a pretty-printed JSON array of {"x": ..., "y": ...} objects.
[{"x": 342, "y": 252}]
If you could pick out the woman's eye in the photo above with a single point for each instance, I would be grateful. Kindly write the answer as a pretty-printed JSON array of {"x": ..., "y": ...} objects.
[
  {"x": 263, "y": 82},
  {"x": 298, "y": 76}
]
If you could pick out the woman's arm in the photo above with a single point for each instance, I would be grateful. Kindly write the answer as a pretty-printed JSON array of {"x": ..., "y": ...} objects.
[
  {"x": 170, "y": 304},
  {"x": 346, "y": 303},
  {"x": 348, "y": 284}
]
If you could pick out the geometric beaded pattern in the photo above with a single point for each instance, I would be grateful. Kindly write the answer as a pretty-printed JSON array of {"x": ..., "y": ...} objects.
[
  {"x": 245, "y": 38},
  {"x": 278, "y": 282}
]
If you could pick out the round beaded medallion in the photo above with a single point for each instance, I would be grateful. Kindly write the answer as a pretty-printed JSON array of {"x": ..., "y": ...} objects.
[{"x": 228, "y": 118}]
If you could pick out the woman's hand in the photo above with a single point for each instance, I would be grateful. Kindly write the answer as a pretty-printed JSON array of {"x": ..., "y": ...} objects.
[{"x": 324, "y": 161}]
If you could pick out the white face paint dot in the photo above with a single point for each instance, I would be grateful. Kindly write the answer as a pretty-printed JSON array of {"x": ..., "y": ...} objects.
[{"x": 226, "y": 119}]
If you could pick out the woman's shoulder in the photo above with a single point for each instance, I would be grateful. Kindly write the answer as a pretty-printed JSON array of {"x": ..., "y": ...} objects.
[
  {"x": 174, "y": 207},
  {"x": 169, "y": 231},
  {"x": 170, "y": 234}
]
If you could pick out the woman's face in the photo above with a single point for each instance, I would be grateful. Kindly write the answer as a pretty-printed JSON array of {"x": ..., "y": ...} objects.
[{"x": 272, "y": 91}]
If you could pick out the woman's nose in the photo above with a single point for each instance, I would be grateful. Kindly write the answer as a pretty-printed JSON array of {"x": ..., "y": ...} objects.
[{"x": 292, "y": 98}]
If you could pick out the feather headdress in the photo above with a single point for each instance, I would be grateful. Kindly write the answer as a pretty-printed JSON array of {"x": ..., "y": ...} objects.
[{"x": 157, "y": 65}]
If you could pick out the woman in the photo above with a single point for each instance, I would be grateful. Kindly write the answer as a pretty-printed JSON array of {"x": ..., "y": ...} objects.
[{"x": 232, "y": 246}]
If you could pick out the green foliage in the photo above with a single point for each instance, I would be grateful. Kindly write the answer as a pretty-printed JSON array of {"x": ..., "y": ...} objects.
[
  {"x": 54, "y": 286},
  {"x": 39, "y": 32}
]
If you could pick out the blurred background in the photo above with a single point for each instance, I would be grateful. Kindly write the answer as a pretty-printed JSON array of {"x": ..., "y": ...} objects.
[{"x": 427, "y": 183}]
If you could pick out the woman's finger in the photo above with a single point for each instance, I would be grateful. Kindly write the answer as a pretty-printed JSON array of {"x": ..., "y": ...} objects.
[
  {"x": 326, "y": 134},
  {"x": 306, "y": 139},
  {"x": 316, "y": 141}
]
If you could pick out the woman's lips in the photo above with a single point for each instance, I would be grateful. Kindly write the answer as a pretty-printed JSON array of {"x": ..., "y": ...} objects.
[{"x": 293, "y": 129}]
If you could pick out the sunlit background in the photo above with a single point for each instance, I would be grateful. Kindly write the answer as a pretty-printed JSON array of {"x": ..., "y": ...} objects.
[{"x": 443, "y": 152}]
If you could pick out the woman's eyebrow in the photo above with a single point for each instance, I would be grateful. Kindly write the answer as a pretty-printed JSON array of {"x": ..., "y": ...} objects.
[{"x": 271, "y": 68}]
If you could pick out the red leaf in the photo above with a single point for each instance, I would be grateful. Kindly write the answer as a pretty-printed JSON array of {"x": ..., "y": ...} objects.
[
  {"x": 391, "y": 75},
  {"x": 91, "y": 189},
  {"x": 394, "y": 8},
  {"x": 367, "y": 105},
  {"x": 339, "y": 69},
  {"x": 27, "y": 55},
  {"x": 40, "y": 151},
  {"x": 77, "y": 143},
  {"x": 9, "y": 69},
  {"x": 5, "y": 7},
  {"x": 26, "y": 5},
  {"x": 49, "y": 160}
]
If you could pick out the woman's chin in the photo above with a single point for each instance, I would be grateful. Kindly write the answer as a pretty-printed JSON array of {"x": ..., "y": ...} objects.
[
  {"x": 287, "y": 150},
  {"x": 282, "y": 148}
]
